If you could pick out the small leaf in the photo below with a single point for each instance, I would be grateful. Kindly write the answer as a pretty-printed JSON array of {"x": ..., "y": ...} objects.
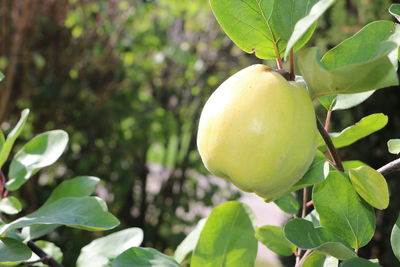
[
  {"x": 13, "y": 251},
  {"x": 42, "y": 151},
  {"x": 395, "y": 239},
  {"x": 2, "y": 140},
  {"x": 288, "y": 203},
  {"x": 394, "y": 146},
  {"x": 318, "y": 259},
  {"x": 303, "y": 234},
  {"x": 102, "y": 250},
  {"x": 12, "y": 136},
  {"x": 352, "y": 164},
  {"x": 303, "y": 25},
  {"x": 357, "y": 262},
  {"x": 1, "y": 76},
  {"x": 394, "y": 10},
  {"x": 227, "y": 238},
  {"x": 274, "y": 239},
  {"x": 340, "y": 102},
  {"x": 315, "y": 174},
  {"x": 143, "y": 257},
  {"x": 342, "y": 211},
  {"x": 371, "y": 186},
  {"x": 10, "y": 205},
  {"x": 313, "y": 217},
  {"x": 84, "y": 213},
  {"x": 187, "y": 246}
]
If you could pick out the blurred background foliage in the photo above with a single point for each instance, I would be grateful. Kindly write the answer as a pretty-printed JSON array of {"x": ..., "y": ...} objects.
[{"x": 127, "y": 80}]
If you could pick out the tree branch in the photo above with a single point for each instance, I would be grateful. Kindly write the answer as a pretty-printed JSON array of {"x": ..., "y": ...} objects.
[
  {"x": 389, "y": 168},
  {"x": 46, "y": 259},
  {"x": 332, "y": 150}
]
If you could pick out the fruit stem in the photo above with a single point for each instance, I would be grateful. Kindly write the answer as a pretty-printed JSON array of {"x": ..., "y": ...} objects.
[
  {"x": 328, "y": 119},
  {"x": 331, "y": 148},
  {"x": 279, "y": 62},
  {"x": 291, "y": 59}
]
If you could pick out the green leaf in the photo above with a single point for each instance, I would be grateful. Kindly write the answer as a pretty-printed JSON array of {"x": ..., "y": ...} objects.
[
  {"x": 317, "y": 172},
  {"x": 371, "y": 186},
  {"x": 102, "y": 250},
  {"x": 1, "y": 76},
  {"x": 361, "y": 129},
  {"x": 288, "y": 203},
  {"x": 307, "y": 22},
  {"x": 13, "y": 251},
  {"x": 366, "y": 61},
  {"x": 227, "y": 238},
  {"x": 303, "y": 234},
  {"x": 318, "y": 259},
  {"x": 253, "y": 26},
  {"x": 357, "y": 262},
  {"x": 10, "y": 205},
  {"x": 50, "y": 249},
  {"x": 42, "y": 151},
  {"x": 340, "y": 102},
  {"x": 274, "y": 239},
  {"x": 394, "y": 10},
  {"x": 143, "y": 257},
  {"x": 12, "y": 136},
  {"x": 187, "y": 246},
  {"x": 85, "y": 213},
  {"x": 313, "y": 217},
  {"x": 394, "y": 146},
  {"x": 342, "y": 211},
  {"x": 352, "y": 164},
  {"x": 2, "y": 140},
  {"x": 395, "y": 239}
]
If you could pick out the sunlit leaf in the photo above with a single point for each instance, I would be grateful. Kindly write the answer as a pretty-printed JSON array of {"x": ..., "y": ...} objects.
[
  {"x": 394, "y": 146},
  {"x": 143, "y": 257},
  {"x": 274, "y": 239},
  {"x": 395, "y": 239},
  {"x": 10, "y": 205}
]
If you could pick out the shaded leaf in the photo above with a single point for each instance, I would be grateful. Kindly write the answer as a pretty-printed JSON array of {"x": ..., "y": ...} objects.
[
  {"x": 227, "y": 238},
  {"x": 357, "y": 262},
  {"x": 42, "y": 151},
  {"x": 394, "y": 10},
  {"x": 13, "y": 251},
  {"x": 102, "y": 250},
  {"x": 318, "y": 259},
  {"x": 371, "y": 186},
  {"x": 143, "y": 257},
  {"x": 346, "y": 101},
  {"x": 394, "y": 146},
  {"x": 288, "y": 203},
  {"x": 274, "y": 239},
  {"x": 342, "y": 211},
  {"x": 10, "y": 205},
  {"x": 395, "y": 239}
]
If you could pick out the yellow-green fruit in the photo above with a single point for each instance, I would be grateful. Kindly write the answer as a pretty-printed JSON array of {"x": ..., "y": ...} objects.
[{"x": 258, "y": 131}]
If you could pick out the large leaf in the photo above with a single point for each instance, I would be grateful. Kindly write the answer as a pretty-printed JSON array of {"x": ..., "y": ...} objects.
[
  {"x": 303, "y": 234},
  {"x": 13, "y": 251},
  {"x": 395, "y": 239},
  {"x": 40, "y": 152},
  {"x": 12, "y": 136},
  {"x": 366, "y": 61},
  {"x": 307, "y": 22},
  {"x": 187, "y": 246},
  {"x": 143, "y": 257},
  {"x": 357, "y": 262},
  {"x": 10, "y": 205},
  {"x": 227, "y": 238},
  {"x": 102, "y": 250},
  {"x": 274, "y": 239},
  {"x": 262, "y": 27},
  {"x": 361, "y": 129},
  {"x": 85, "y": 213},
  {"x": 394, "y": 146},
  {"x": 342, "y": 211},
  {"x": 371, "y": 186},
  {"x": 288, "y": 203}
]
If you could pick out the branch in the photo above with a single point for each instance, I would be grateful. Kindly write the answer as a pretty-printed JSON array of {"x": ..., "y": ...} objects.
[
  {"x": 331, "y": 147},
  {"x": 46, "y": 259},
  {"x": 389, "y": 168}
]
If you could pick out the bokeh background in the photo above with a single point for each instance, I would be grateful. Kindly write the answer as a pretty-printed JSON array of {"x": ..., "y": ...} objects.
[{"x": 127, "y": 80}]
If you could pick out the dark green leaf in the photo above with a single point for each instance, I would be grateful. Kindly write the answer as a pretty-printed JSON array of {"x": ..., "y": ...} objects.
[
  {"x": 307, "y": 22},
  {"x": 143, "y": 257},
  {"x": 371, "y": 186},
  {"x": 227, "y": 238},
  {"x": 342, "y": 211},
  {"x": 85, "y": 213},
  {"x": 13, "y": 251},
  {"x": 40, "y": 152},
  {"x": 102, "y": 250},
  {"x": 187, "y": 246},
  {"x": 394, "y": 146},
  {"x": 303, "y": 234},
  {"x": 394, "y": 9},
  {"x": 274, "y": 239},
  {"x": 395, "y": 239},
  {"x": 10, "y": 205},
  {"x": 358, "y": 262},
  {"x": 288, "y": 203},
  {"x": 12, "y": 136}
]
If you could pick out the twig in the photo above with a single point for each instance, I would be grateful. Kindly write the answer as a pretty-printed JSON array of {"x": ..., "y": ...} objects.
[
  {"x": 332, "y": 150},
  {"x": 303, "y": 215},
  {"x": 46, "y": 259},
  {"x": 391, "y": 167},
  {"x": 328, "y": 119},
  {"x": 306, "y": 254}
]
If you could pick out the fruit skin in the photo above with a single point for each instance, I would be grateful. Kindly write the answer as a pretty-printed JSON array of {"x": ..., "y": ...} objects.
[{"x": 258, "y": 131}]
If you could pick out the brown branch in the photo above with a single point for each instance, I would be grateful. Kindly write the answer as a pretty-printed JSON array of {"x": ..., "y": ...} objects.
[
  {"x": 393, "y": 166},
  {"x": 331, "y": 148},
  {"x": 46, "y": 259}
]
